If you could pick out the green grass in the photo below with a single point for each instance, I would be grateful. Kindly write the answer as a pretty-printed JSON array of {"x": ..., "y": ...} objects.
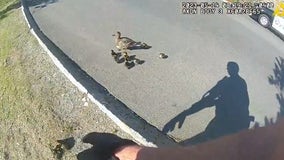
[
  {"x": 5, "y": 3},
  {"x": 6, "y": 6},
  {"x": 12, "y": 88},
  {"x": 27, "y": 95}
]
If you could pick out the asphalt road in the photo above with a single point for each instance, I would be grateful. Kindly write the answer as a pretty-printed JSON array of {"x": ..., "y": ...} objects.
[{"x": 198, "y": 49}]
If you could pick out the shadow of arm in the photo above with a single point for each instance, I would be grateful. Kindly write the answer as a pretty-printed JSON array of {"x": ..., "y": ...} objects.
[{"x": 196, "y": 107}]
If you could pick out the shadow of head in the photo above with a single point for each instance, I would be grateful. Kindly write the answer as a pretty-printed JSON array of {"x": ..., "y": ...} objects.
[{"x": 233, "y": 68}]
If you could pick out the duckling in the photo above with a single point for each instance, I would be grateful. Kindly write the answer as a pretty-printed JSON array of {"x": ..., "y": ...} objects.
[
  {"x": 67, "y": 143},
  {"x": 163, "y": 55},
  {"x": 138, "y": 61},
  {"x": 123, "y": 43},
  {"x": 145, "y": 46},
  {"x": 126, "y": 56},
  {"x": 113, "y": 53},
  {"x": 58, "y": 151},
  {"x": 129, "y": 64},
  {"x": 115, "y": 56}
]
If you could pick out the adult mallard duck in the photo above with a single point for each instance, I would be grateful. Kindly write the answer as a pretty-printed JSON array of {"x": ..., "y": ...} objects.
[{"x": 123, "y": 43}]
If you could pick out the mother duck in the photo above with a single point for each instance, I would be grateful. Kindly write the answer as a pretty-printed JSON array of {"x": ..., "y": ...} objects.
[{"x": 124, "y": 43}]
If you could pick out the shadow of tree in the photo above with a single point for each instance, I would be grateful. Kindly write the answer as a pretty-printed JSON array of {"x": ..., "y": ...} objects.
[
  {"x": 277, "y": 79},
  {"x": 14, "y": 5},
  {"x": 39, "y": 3}
]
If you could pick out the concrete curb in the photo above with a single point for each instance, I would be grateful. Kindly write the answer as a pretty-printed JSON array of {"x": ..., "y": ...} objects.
[{"x": 126, "y": 119}]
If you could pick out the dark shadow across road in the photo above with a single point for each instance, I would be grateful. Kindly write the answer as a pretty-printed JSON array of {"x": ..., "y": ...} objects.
[{"x": 231, "y": 101}]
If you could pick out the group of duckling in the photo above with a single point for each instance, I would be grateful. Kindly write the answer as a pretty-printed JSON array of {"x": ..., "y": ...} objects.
[
  {"x": 123, "y": 45},
  {"x": 130, "y": 61}
]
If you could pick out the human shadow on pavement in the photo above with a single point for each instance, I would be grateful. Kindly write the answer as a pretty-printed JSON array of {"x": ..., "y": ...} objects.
[
  {"x": 277, "y": 80},
  {"x": 231, "y": 101},
  {"x": 39, "y": 3}
]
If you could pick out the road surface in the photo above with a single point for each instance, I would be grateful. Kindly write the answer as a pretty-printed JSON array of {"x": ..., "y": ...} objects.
[{"x": 198, "y": 49}]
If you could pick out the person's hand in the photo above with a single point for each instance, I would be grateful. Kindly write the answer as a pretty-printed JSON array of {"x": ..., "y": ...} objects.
[
  {"x": 170, "y": 126},
  {"x": 104, "y": 146},
  {"x": 128, "y": 152}
]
